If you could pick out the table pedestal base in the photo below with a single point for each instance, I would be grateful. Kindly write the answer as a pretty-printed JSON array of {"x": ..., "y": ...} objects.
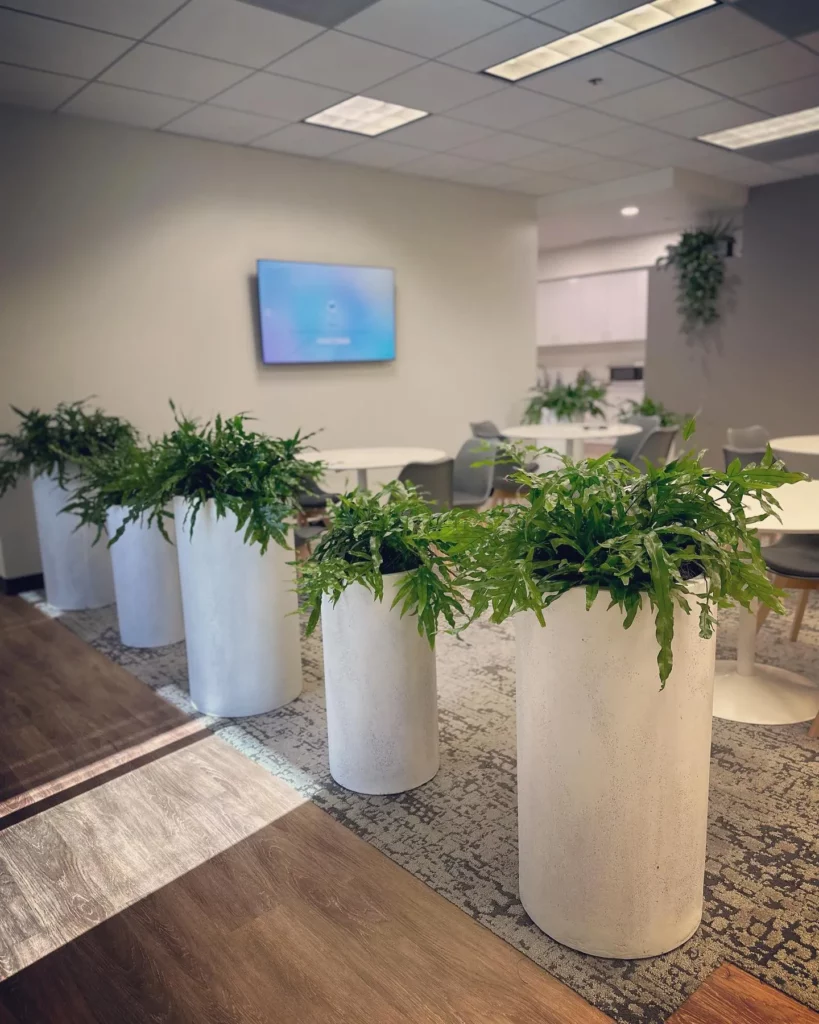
[{"x": 766, "y": 696}]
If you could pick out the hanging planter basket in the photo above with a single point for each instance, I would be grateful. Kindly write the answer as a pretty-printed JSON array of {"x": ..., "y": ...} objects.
[{"x": 698, "y": 260}]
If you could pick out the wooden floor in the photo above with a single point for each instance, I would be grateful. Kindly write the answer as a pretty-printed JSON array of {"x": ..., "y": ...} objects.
[
  {"x": 67, "y": 713},
  {"x": 730, "y": 996}
]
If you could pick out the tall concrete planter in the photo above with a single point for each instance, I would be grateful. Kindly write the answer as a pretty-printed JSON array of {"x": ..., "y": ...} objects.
[
  {"x": 146, "y": 582},
  {"x": 244, "y": 651},
  {"x": 612, "y": 777},
  {"x": 382, "y": 701},
  {"x": 77, "y": 571}
]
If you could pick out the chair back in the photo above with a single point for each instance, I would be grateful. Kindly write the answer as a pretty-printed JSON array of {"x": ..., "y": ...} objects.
[
  {"x": 469, "y": 478},
  {"x": 655, "y": 447},
  {"x": 749, "y": 438},
  {"x": 625, "y": 447},
  {"x": 486, "y": 429},
  {"x": 433, "y": 480},
  {"x": 745, "y": 455}
]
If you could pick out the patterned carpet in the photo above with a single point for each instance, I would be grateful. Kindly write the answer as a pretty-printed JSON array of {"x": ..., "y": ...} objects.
[{"x": 458, "y": 833}]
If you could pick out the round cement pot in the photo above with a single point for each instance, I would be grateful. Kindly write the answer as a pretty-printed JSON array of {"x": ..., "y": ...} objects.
[
  {"x": 146, "y": 581},
  {"x": 382, "y": 700},
  {"x": 77, "y": 572},
  {"x": 244, "y": 649},
  {"x": 612, "y": 777}
]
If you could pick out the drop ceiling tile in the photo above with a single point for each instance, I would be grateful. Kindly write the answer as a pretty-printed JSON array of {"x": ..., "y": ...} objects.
[
  {"x": 438, "y": 133},
  {"x": 236, "y": 32},
  {"x": 655, "y": 101},
  {"x": 276, "y": 96},
  {"x": 714, "y": 117},
  {"x": 122, "y": 17},
  {"x": 714, "y": 34},
  {"x": 572, "y": 126},
  {"x": 41, "y": 89},
  {"x": 46, "y": 45},
  {"x": 510, "y": 108},
  {"x": 440, "y": 165},
  {"x": 808, "y": 164},
  {"x": 572, "y": 81},
  {"x": 625, "y": 141},
  {"x": 673, "y": 153},
  {"x": 306, "y": 140},
  {"x": 223, "y": 125},
  {"x": 326, "y": 13},
  {"x": 491, "y": 175},
  {"x": 509, "y": 41},
  {"x": 785, "y": 99},
  {"x": 772, "y": 65},
  {"x": 500, "y": 147},
  {"x": 427, "y": 27},
  {"x": 571, "y": 15},
  {"x": 522, "y": 6},
  {"x": 553, "y": 158},
  {"x": 183, "y": 75},
  {"x": 546, "y": 184},
  {"x": 607, "y": 170},
  {"x": 344, "y": 62},
  {"x": 790, "y": 17},
  {"x": 380, "y": 153},
  {"x": 811, "y": 40},
  {"x": 127, "y": 106},
  {"x": 435, "y": 88}
]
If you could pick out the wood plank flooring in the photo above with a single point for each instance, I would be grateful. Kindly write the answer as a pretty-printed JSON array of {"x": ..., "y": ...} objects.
[
  {"x": 299, "y": 922},
  {"x": 67, "y": 713},
  {"x": 730, "y": 996}
]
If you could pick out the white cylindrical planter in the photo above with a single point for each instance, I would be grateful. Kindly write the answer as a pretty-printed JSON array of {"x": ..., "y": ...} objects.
[
  {"x": 146, "y": 582},
  {"x": 382, "y": 700},
  {"x": 243, "y": 642},
  {"x": 77, "y": 572},
  {"x": 612, "y": 777}
]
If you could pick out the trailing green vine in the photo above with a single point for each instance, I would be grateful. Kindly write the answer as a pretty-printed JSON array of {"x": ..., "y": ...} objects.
[{"x": 698, "y": 260}]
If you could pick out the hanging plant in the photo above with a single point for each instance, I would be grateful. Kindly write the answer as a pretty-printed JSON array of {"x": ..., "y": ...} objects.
[{"x": 699, "y": 261}]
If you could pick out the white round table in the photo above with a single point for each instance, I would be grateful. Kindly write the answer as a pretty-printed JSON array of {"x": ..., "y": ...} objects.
[
  {"x": 362, "y": 459},
  {"x": 797, "y": 444},
  {"x": 576, "y": 434},
  {"x": 745, "y": 691}
]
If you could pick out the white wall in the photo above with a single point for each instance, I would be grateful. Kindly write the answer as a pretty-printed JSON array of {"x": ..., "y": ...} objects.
[
  {"x": 127, "y": 263},
  {"x": 604, "y": 257}
]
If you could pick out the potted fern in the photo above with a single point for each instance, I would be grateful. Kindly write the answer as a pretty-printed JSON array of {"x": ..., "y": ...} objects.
[
  {"x": 381, "y": 585},
  {"x": 233, "y": 493},
  {"x": 146, "y": 573},
  {"x": 567, "y": 402},
  {"x": 614, "y": 579},
  {"x": 53, "y": 448}
]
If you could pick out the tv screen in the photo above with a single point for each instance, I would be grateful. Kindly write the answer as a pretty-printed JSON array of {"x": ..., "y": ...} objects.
[{"x": 326, "y": 313}]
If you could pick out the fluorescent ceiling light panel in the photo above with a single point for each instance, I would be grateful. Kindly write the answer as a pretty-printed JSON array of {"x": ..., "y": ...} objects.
[
  {"x": 770, "y": 129},
  {"x": 365, "y": 116},
  {"x": 595, "y": 37}
]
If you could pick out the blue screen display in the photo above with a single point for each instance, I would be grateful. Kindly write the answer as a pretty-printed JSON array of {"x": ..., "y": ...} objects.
[{"x": 326, "y": 313}]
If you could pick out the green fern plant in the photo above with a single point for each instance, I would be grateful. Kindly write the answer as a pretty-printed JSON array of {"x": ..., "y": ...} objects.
[
  {"x": 638, "y": 538},
  {"x": 648, "y": 407},
  {"x": 371, "y": 536}
]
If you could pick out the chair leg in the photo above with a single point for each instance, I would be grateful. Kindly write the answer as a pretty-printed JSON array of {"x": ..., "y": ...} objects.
[
  {"x": 814, "y": 729},
  {"x": 800, "y": 614}
]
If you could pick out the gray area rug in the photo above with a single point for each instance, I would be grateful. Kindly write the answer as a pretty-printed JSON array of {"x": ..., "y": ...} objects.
[{"x": 459, "y": 832}]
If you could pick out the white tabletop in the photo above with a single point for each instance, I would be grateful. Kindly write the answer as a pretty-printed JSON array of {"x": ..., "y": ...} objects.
[
  {"x": 797, "y": 444},
  {"x": 571, "y": 431},
  {"x": 799, "y": 512},
  {"x": 375, "y": 458}
]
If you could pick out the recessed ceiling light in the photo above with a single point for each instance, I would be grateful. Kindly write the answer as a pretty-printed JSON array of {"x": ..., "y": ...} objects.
[
  {"x": 365, "y": 116},
  {"x": 769, "y": 129},
  {"x": 630, "y": 211},
  {"x": 595, "y": 37}
]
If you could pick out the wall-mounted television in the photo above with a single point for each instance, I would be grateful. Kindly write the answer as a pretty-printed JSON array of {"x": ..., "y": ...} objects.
[{"x": 326, "y": 313}]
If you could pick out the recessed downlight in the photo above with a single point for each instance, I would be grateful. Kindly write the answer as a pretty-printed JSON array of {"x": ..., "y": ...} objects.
[
  {"x": 595, "y": 37},
  {"x": 365, "y": 116},
  {"x": 769, "y": 129},
  {"x": 629, "y": 211}
]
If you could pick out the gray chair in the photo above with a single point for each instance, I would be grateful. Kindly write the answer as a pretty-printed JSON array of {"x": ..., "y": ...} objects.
[
  {"x": 794, "y": 560},
  {"x": 486, "y": 429},
  {"x": 745, "y": 455},
  {"x": 625, "y": 447},
  {"x": 748, "y": 438},
  {"x": 433, "y": 479},
  {"x": 473, "y": 484},
  {"x": 655, "y": 447}
]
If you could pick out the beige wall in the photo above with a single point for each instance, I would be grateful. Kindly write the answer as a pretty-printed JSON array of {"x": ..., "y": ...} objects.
[{"x": 126, "y": 272}]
